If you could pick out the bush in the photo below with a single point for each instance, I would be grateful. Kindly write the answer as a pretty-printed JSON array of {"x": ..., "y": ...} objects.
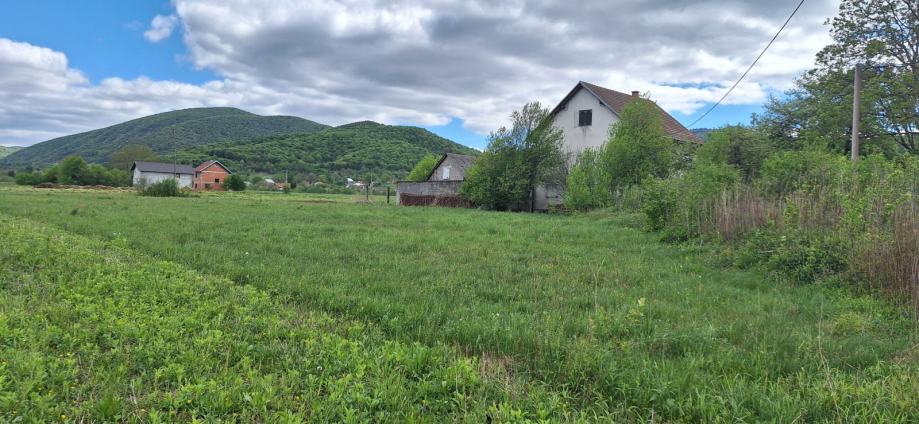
[
  {"x": 683, "y": 204},
  {"x": 638, "y": 147},
  {"x": 801, "y": 256},
  {"x": 235, "y": 182},
  {"x": 786, "y": 172},
  {"x": 585, "y": 189},
  {"x": 743, "y": 148},
  {"x": 164, "y": 188}
]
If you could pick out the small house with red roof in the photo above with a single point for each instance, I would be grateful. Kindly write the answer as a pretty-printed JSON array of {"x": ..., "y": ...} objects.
[{"x": 211, "y": 175}]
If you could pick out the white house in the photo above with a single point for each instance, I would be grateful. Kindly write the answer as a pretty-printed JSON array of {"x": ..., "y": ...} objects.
[
  {"x": 146, "y": 173},
  {"x": 585, "y": 116}
]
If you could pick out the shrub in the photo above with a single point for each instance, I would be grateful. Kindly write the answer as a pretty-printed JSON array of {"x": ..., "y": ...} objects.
[
  {"x": 584, "y": 188},
  {"x": 164, "y": 188},
  {"x": 743, "y": 148},
  {"x": 801, "y": 256},
  {"x": 30, "y": 178},
  {"x": 786, "y": 172},
  {"x": 638, "y": 147},
  {"x": 235, "y": 182}
]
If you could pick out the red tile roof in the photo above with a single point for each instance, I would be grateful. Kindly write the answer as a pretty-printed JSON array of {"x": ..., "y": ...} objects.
[
  {"x": 616, "y": 101},
  {"x": 207, "y": 164}
]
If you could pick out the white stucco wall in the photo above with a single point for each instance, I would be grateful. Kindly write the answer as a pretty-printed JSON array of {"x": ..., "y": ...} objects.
[
  {"x": 579, "y": 138},
  {"x": 185, "y": 180}
]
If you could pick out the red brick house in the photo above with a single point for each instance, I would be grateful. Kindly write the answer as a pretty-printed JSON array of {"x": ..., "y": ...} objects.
[{"x": 211, "y": 175}]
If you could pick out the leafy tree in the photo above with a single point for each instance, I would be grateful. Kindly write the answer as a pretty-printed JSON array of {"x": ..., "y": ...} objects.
[
  {"x": 424, "y": 168},
  {"x": 125, "y": 157},
  {"x": 517, "y": 161},
  {"x": 637, "y": 148},
  {"x": 234, "y": 182},
  {"x": 883, "y": 35},
  {"x": 741, "y": 147},
  {"x": 71, "y": 170}
]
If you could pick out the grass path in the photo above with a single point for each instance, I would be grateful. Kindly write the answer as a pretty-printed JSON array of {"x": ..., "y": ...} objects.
[{"x": 583, "y": 304}]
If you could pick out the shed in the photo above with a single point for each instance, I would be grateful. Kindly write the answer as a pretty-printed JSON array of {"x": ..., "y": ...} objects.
[{"x": 146, "y": 173}]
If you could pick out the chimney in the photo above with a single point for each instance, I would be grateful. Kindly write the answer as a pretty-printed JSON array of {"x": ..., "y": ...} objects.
[{"x": 634, "y": 94}]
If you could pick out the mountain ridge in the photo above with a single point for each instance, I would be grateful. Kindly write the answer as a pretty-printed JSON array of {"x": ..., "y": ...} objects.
[{"x": 162, "y": 132}]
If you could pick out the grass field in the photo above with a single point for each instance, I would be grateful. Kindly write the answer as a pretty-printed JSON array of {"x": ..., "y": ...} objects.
[{"x": 514, "y": 316}]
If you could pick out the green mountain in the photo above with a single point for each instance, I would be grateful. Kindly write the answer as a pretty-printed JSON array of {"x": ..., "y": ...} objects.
[
  {"x": 352, "y": 150},
  {"x": 161, "y": 132},
  {"x": 8, "y": 150}
]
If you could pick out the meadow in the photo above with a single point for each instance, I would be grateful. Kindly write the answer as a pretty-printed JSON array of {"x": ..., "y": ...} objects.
[{"x": 466, "y": 313}]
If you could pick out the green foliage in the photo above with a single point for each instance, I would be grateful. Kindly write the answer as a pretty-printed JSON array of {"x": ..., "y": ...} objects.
[
  {"x": 235, "y": 182},
  {"x": 741, "y": 147},
  {"x": 75, "y": 171},
  {"x": 162, "y": 133},
  {"x": 125, "y": 157},
  {"x": 802, "y": 256},
  {"x": 424, "y": 168},
  {"x": 786, "y": 171},
  {"x": 638, "y": 147},
  {"x": 585, "y": 190},
  {"x": 517, "y": 161},
  {"x": 164, "y": 188},
  {"x": 679, "y": 204},
  {"x": 440, "y": 315},
  {"x": 349, "y": 151}
]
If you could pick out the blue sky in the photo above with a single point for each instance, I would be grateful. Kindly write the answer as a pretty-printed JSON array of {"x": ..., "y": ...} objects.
[{"x": 104, "y": 39}]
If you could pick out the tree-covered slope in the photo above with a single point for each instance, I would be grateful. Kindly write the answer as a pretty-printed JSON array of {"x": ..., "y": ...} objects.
[
  {"x": 161, "y": 132},
  {"x": 8, "y": 150},
  {"x": 354, "y": 150}
]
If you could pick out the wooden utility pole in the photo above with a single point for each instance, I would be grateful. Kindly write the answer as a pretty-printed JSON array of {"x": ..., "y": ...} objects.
[{"x": 856, "y": 112}]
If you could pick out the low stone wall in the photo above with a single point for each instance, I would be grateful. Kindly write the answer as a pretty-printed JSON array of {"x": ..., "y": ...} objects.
[{"x": 439, "y": 193}]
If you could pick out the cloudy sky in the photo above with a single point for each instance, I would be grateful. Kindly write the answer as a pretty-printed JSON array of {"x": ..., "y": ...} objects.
[{"x": 455, "y": 67}]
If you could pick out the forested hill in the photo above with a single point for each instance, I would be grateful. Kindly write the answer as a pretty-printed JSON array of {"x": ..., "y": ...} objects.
[
  {"x": 186, "y": 128},
  {"x": 7, "y": 150},
  {"x": 352, "y": 150}
]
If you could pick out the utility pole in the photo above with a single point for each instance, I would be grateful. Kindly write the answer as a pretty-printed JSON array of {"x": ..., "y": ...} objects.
[{"x": 856, "y": 112}]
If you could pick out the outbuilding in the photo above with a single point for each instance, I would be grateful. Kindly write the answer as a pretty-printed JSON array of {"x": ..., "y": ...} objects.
[
  {"x": 146, "y": 173},
  {"x": 441, "y": 186}
]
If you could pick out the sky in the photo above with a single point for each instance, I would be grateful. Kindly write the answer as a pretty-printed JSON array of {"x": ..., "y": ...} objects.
[{"x": 456, "y": 67}]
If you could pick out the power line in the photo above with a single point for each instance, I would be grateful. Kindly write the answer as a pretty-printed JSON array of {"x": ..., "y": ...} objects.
[{"x": 750, "y": 68}]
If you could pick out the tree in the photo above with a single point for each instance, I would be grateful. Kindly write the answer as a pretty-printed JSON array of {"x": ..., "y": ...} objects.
[
  {"x": 235, "y": 182},
  {"x": 584, "y": 188},
  {"x": 424, "y": 168},
  {"x": 71, "y": 170},
  {"x": 125, "y": 157},
  {"x": 741, "y": 147},
  {"x": 637, "y": 148},
  {"x": 517, "y": 161},
  {"x": 881, "y": 35}
]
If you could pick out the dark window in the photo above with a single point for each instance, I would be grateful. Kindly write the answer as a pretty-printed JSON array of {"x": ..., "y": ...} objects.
[
  {"x": 216, "y": 180},
  {"x": 585, "y": 117}
]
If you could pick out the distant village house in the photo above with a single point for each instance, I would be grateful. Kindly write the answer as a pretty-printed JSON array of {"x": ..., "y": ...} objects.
[{"x": 210, "y": 175}]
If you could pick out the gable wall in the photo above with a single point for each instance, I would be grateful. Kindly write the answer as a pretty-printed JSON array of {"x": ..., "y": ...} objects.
[
  {"x": 456, "y": 172},
  {"x": 579, "y": 138}
]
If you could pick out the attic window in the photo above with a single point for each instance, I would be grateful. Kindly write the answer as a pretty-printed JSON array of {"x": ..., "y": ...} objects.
[
  {"x": 585, "y": 117},
  {"x": 446, "y": 174}
]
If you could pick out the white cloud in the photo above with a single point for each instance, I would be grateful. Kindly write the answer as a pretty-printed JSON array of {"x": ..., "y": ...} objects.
[
  {"x": 423, "y": 62},
  {"x": 161, "y": 28}
]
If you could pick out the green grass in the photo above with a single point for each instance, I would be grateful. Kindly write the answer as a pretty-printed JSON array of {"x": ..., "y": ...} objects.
[{"x": 596, "y": 312}]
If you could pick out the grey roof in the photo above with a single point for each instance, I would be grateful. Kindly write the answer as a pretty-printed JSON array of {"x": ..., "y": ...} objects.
[
  {"x": 165, "y": 168},
  {"x": 463, "y": 162}
]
